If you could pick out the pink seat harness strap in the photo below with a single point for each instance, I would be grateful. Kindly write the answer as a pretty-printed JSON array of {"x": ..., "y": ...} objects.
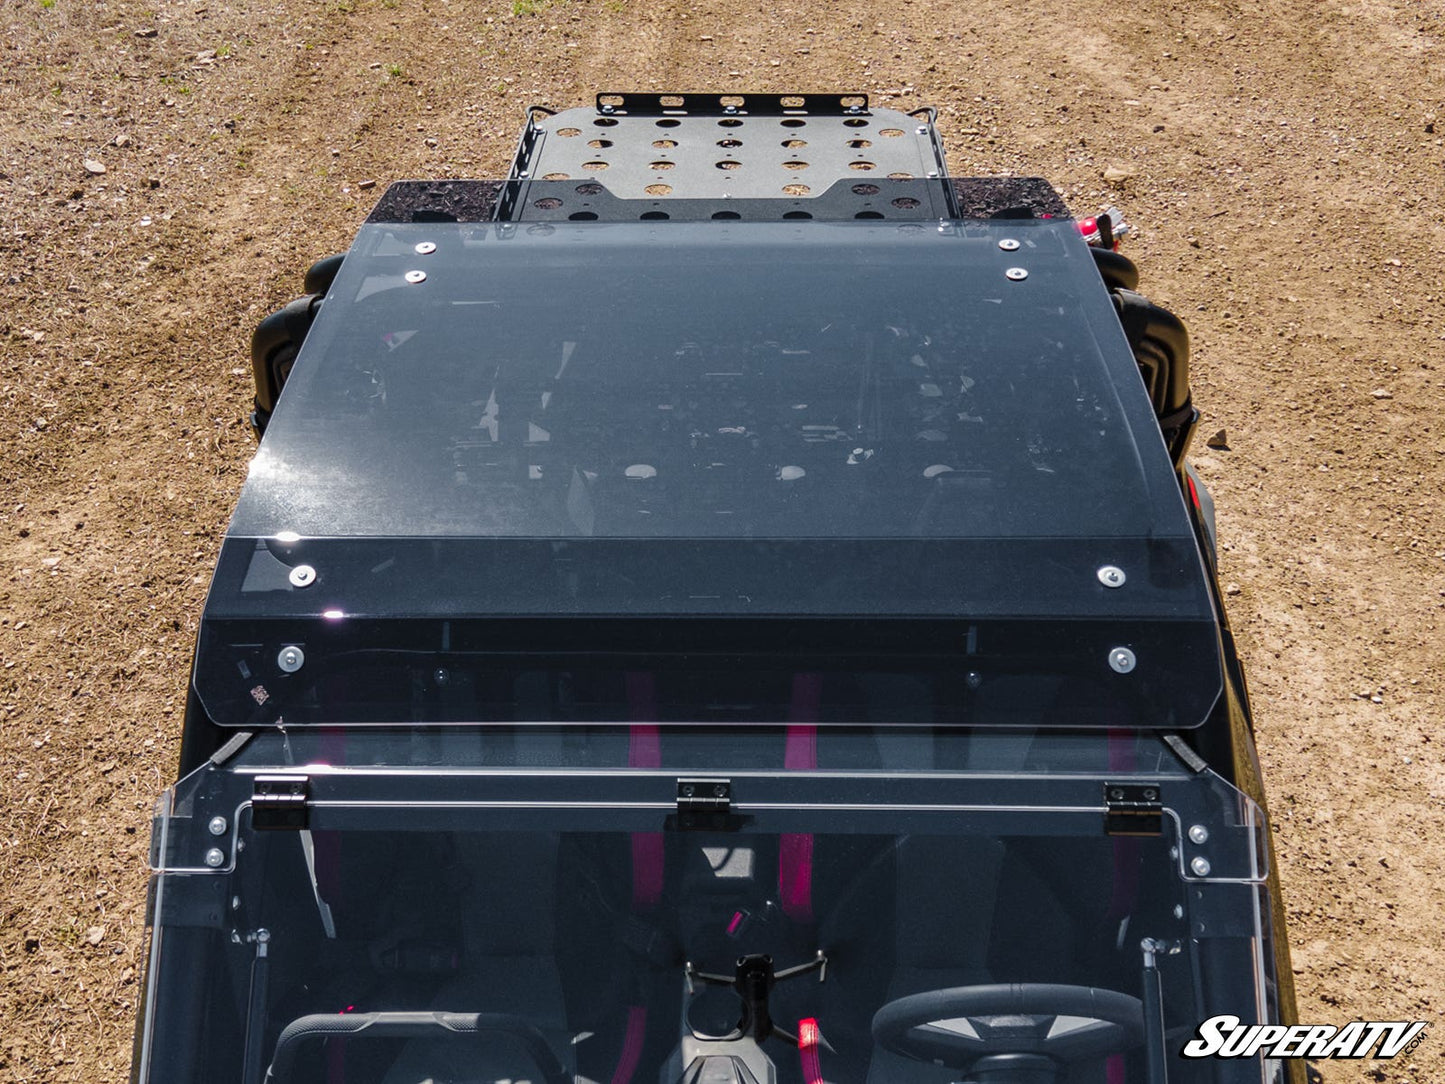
[{"x": 795, "y": 849}]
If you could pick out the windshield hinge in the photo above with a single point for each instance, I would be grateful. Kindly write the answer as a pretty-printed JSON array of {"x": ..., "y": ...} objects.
[
  {"x": 1133, "y": 809},
  {"x": 704, "y": 803},
  {"x": 281, "y": 802}
]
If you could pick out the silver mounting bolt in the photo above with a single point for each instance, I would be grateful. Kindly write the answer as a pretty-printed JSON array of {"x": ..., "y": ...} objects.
[
  {"x": 1198, "y": 833},
  {"x": 607, "y": 109},
  {"x": 302, "y": 576},
  {"x": 1112, "y": 576},
  {"x": 414, "y": 277},
  {"x": 426, "y": 248},
  {"x": 1016, "y": 274},
  {"x": 1122, "y": 660},
  {"x": 217, "y": 826},
  {"x": 923, "y": 129},
  {"x": 1200, "y": 866},
  {"x": 1008, "y": 244},
  {"x": 215, "y": 857},
  {"x": 290, "y": 659}
]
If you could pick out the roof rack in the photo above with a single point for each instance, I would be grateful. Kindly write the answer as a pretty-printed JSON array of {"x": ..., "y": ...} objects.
[
  {"x": 695, "y": 157},
  {"x": 674, "y": 149}
]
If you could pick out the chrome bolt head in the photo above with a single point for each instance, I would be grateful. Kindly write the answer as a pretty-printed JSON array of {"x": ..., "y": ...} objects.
[
  {"x": 1198, "y": 834},
  {"x": 414, "y": 277},
  {"x": 290, "y": 659},
  {"x": 1200, "y": 866},
  {"x": 1122, "y": 660},
  {"x": 1016, "y": 274},
  {"x": 302, "y": 576},
  {"x": 215, "y": 857},
  {"x": 1008, "y": 244},
  {"x": 217, "y": 826},
  {"x": 1112, "y": 576},
  {"x": 425, "y": 248}
]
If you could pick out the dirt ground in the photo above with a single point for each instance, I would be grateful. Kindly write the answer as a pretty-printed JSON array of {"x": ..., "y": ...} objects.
[{"x": 169, "y": 167}]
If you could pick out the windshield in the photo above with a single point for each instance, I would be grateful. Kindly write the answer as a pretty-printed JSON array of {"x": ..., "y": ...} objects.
[{"x": 560, "y": 907}]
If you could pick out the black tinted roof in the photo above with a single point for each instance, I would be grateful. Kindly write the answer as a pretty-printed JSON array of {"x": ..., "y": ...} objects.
[
  {"x": 702, "y": 380},
  {"x": 870, "y": 437}
]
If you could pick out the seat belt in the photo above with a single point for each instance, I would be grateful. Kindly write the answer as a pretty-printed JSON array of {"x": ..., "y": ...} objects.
[
  {"x": 795, "y": 849},
  {"x": 644, "y": 750}
]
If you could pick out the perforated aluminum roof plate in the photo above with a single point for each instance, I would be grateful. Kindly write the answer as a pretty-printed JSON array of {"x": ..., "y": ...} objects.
[{"x": 645, "y": 148}]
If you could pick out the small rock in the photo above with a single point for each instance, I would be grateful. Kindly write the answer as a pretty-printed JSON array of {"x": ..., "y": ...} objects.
[
  {"x": 1220, "y": 440},
  {"x": 146, "y": 32},
  {"x": 50, "y": 562},
  {"x": 1117, "y": 173},
  {"x": 41, "y": 423},
  {"x": 364, "y": 185},
  {"x": 1381, "y": 393},
  {"x": 1377, "y": 699},
  {"x": 92, "y": 166},
  {"x": 1231, "y": 589},
  {"x": 430, "y": 141},
  {"x": 705, "y": 37},
  {"x": 94, "y": 935},
  {"x": 121, "y": 140}
]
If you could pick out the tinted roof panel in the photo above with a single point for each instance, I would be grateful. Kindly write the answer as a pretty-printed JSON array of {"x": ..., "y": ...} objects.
[
  {"x": 727, "y": 453},
  {"x": 682, "y": 380}
]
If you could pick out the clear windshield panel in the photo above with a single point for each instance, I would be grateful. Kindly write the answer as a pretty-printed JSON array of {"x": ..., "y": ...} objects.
[{"x": 483, "y": 928}]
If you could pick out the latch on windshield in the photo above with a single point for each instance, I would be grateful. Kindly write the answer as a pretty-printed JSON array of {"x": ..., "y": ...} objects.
[
  {"x": 704, "y": 804},
  {"x": 1133, "y": 809},
  {"x": 281, "y": 801}
]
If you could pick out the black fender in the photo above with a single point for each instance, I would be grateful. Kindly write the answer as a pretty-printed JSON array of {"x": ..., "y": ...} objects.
[
  {"x": 1160, "y": 344},
  {"x": 278, "y": 338},
  {"x": 1117, "y": 271},
  {"x": 274, "y": 345}
]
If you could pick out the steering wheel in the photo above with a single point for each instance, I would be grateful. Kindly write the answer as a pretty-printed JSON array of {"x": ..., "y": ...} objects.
[{"x": 959, "y": 1026}]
